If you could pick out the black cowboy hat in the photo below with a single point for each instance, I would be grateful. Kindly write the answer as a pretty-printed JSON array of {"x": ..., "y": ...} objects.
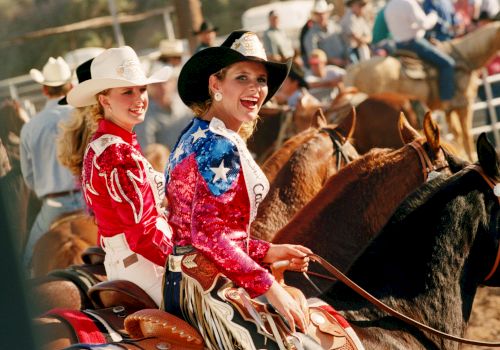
[
  {"x": 206, "y": 26},
  {"x": 297, "y": 74},
  {"x": 352, "y": 2},
  {"x": 82, "y": 73},
  {"x": 241, "y": 45}
]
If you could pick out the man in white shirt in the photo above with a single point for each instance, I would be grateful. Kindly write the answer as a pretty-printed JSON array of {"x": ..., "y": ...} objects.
[{"x": 408, "y": 23}]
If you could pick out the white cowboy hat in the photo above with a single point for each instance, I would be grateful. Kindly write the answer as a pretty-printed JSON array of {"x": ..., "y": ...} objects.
[
  {"x": 321, "y": 6},
  {"x": 115, "y": 67},
  {"x": 168, "y": 48},
  {"x": 56, "y": 72}
]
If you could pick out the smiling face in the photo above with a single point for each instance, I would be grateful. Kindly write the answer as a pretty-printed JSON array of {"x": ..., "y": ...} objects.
[
  {"x": 244, "y": 89},
  {"x": 125, "y": 106}
]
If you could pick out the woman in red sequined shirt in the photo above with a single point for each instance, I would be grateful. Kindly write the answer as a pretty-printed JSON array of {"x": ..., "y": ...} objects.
[
  {"x": 213, "y": 191},
  {"x": 120, "y": 186}
]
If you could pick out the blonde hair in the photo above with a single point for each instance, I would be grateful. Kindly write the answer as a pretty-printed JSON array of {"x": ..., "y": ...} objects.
[
  {"x": 320, "y": 54},
  {"x": 199, "y": 109},
  {"x": 76, "y": 134}
]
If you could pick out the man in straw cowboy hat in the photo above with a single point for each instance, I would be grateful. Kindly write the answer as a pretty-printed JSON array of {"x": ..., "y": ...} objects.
[
  {"x": 120, "y": 186},
  {"x": 324, "y": 34},
  {"x": 51, "y": 181}
]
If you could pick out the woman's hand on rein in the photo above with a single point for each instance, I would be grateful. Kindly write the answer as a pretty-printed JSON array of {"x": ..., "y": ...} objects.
[{"x": 296, "y": 255}]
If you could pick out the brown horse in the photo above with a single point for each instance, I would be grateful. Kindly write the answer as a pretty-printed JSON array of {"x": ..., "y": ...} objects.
[
  {"x": 320, "y": 154},
  {"x": 64, "y": 243},
  {"x": 428, "y": 261},
  {"x": 353, "y": 206},
  {"x": 20, "y": 202},
  {"x": 471, "y": 52}
]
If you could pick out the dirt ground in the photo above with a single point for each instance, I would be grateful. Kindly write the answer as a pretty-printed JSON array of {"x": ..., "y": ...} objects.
[{"x": 485, "y": 321}]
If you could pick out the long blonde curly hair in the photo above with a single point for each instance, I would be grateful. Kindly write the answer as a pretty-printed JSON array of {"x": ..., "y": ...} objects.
[{"x": 76, "y": 134}]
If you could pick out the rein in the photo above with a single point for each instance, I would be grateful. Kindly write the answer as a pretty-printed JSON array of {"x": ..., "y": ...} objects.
[
  {"x": 356, "y": 288},
  {"x": 337, "y": 145}
]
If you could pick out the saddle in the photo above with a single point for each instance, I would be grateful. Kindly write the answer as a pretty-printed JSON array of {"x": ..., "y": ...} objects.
[
  {"x": 413, "y": 67},
  {"x": 120, "y": 293},
  {"x": 93, "y": 255},
  {"x": 162, "y": 325}
]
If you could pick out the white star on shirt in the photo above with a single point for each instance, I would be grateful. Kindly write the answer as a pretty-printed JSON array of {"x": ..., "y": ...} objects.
[
  {"x": 199, "y": 134},
  {"x": 220, "y": 172},
  {"x": 178, "y": 152}
]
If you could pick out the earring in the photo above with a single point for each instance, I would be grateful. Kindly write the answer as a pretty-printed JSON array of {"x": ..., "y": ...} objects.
[{"x": 218, "y": 96}]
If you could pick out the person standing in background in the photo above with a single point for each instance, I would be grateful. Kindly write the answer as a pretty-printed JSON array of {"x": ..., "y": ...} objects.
[
  {"x": 277, "y": 44},
  {"x": 356, "y": 31},
  {"x": 206, "y": 36},
  {"x": 52, "y": 182}
]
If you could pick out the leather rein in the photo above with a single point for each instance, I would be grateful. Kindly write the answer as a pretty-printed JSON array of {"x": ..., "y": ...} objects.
[{"x": 379, "y": 304}]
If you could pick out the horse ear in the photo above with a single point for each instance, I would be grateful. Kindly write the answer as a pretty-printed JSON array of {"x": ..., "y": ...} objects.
[
  {"x": 406, "y": 131},
  {"x": 487, "y": 156},
  {"x": 347, "y": 125},
  {"x": 431, "y": 132},
  {"x": 319, "y": 120}
]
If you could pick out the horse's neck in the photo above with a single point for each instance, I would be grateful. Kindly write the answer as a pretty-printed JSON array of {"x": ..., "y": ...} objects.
[
  {"x": 479, "y": 46},
  {"x": 296, "y": 183},
  {"x": 372, "y": 186},
  {"x": 278, "y": 159},
  {"x": 424, "y": 261}
]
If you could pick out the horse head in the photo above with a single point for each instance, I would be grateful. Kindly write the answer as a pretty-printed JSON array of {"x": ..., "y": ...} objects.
[{"x": 427, "y": 262}]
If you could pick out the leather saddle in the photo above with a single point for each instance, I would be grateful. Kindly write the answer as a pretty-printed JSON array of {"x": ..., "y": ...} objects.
[
  {"x": 120, "y": 293},
  {"x": 413, "y": 67}
]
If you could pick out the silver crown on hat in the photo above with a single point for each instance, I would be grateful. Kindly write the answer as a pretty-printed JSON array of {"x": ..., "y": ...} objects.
[
  {"x": 130, "y": 70},
  {"x": 249, "y": 45}
]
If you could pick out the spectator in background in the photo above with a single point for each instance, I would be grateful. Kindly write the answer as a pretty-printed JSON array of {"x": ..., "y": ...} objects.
[
  {"x": 206, "y": 35},
  {"x": 52, "y": 182},
  {"x": 407, "y": 22},
  {"x": 322, "y": 78},
  {"x": 294, "y": 87},
  {"x": 277, "y": 44},
  {"x": 445, "y": 28},
  {"x": 166, "y": 116},
  {"x": 323, "y": 34},
  {"x": 356, "y": 31}
]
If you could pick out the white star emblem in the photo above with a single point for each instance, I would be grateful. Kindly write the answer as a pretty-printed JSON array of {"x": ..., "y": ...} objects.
[
  {"x": 220, "y": 172},
  {"x": 178, "y": 152},
  {"x": 199, "y": 134}
]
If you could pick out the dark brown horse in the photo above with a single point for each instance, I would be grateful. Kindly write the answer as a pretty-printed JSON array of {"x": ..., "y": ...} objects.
[
  {"x": 428, "y": 261},
  {"x": 354, "y": 205},
  {"x": 321, "y": 152},
  {"x": 20, "y": 202}
]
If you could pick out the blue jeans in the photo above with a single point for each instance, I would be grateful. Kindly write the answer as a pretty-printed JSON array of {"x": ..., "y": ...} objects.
[
  {"x": 51, "y": 209},
  {"x": 446, "y": 65}
]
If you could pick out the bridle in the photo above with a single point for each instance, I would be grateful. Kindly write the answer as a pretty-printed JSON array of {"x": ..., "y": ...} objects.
[
  {"x": 338, "y": 275},
  {"x": 495, "y": 187},
  {"x": 338, "y": 147},
  {"x": 428, "y": 167}
]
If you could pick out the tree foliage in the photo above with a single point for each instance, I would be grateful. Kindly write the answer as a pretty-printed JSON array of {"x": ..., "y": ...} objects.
[{"x": 24, "y": 16}]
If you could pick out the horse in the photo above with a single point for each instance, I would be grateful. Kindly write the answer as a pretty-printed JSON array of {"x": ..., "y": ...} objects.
[
  {"x": 354, "y": 205},
  {"x": 20, "y": 201},
  {"x": 471, "y": 52},
  {"x": 428, "y": 261},
  {"x": 62, "y": 245},
  {"x": 377, "y": 121},
  {"x": 311, "y": 158}
]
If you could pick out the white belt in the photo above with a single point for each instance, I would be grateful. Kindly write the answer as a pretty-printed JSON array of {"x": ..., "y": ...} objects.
[{"x": 116, "y": 242}]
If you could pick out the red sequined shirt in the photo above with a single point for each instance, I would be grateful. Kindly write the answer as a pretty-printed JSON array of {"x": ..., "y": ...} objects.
[{"x": 125, "y": 193}]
